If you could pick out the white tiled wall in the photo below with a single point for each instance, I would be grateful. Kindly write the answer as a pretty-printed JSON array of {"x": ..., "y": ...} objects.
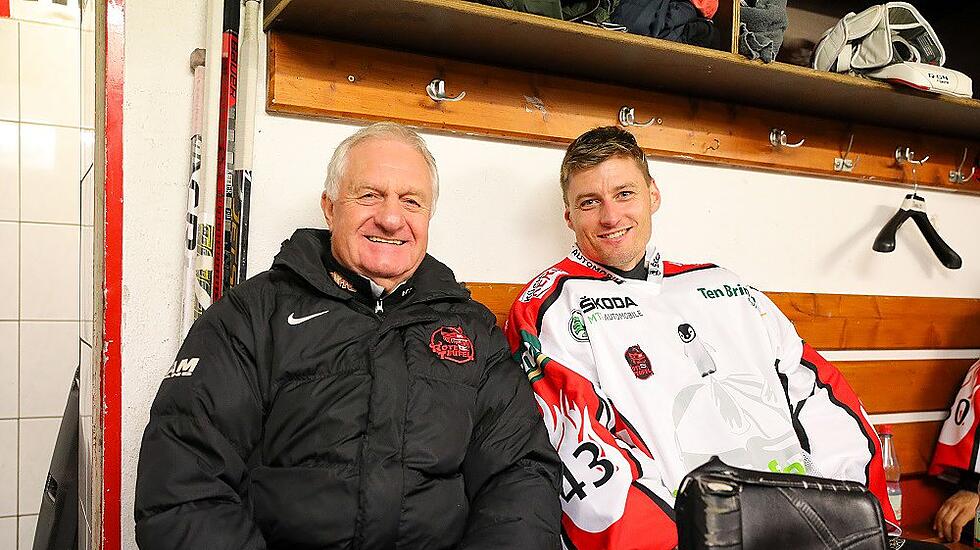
[
  {"x": 8, "y": 532},
  {"x": 49, "y": 271},
  {"x": 9, "y": 60},
  {"x": 49, "y": 74},
  {"x": 9, "y": 374},
  {"x": 49, "y": 159},
  {"x": 8, "y": 471},
  {"x": 9, "y": 270},
  {"x": 26, "y": 524},
  {"x": 40, "y": 236},
  {"x": 9, "y": 159}
]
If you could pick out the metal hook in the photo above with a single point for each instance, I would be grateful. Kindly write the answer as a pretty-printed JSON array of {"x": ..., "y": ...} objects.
[
  {"x": 777, "y": 137},
  {"x": 908, "y": 155},
  {"x": 627, "y": 118},
  {"x": 437, "y": 91},
  {"x": 844, "y": 164},
  {"x": 956, "y": 176}
]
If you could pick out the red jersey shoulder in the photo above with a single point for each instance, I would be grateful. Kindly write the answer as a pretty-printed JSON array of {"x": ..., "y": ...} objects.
[
  {"x": 671, "y": 268},
  {"x": 541, "y": 286}
]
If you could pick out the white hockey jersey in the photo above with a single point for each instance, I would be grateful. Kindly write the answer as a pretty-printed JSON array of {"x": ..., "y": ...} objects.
[{"x": 641, "y": 381}]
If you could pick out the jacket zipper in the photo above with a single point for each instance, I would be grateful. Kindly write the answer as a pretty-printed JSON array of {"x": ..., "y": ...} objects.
[{"x": 379, "y": 308}]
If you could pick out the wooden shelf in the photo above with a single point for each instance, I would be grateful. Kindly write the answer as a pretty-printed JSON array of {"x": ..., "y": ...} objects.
[{"x": 468, "y": 31}]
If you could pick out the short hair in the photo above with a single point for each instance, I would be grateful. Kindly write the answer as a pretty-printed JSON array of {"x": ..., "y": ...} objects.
[
  {"x": 381, "y": 130},
  {"x": 597, "y": 146}
]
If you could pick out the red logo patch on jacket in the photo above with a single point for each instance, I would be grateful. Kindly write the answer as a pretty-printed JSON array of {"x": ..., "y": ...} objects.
[
  {"x": 451, "y": 344},
  {"x": 639, "y": 362}
]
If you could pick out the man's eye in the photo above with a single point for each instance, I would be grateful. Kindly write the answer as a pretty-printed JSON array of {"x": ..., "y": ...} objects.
[
  {"x": 626, "y": 194},
  {"x": 588, "y": 203},
  {"x": 413, "y": 203}
]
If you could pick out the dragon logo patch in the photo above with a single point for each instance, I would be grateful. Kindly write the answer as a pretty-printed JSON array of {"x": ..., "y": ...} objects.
[
  {"x": 450, "y": 344},
  {"x": 639, "y": 362}
]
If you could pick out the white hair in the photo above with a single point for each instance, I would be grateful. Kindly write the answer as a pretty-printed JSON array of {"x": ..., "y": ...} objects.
[{"x": 383, "y": 130}]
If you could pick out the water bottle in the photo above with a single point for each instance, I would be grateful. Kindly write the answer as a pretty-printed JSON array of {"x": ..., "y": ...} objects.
[{"x": 892, "y": 470}]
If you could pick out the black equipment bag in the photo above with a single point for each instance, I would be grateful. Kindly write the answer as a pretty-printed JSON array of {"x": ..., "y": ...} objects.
[
  {"x": 723, "y": 507},
  {"x": 57, "y": 524}
]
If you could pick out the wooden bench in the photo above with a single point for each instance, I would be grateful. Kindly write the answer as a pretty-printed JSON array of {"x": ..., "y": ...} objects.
[{"x": 923, "y": 387}]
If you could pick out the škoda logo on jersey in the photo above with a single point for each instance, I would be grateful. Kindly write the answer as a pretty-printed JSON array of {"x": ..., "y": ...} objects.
[
  {"x": 609, "y": 308},
  {"x": 587, "y": 304},
  {"x": 450, "y": 344}
]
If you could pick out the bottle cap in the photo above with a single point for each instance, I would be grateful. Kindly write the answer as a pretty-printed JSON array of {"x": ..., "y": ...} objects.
[{"x": 885, "y": 429}]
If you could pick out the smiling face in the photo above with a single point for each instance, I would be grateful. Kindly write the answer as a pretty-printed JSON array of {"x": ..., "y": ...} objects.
[
  {"x": 379, "y": 222},
  {"x": 609, "y": 208}
]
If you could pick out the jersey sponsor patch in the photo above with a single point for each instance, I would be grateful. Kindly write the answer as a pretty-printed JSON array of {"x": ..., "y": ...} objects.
[
  {"x": 580, "y": 258},
  {"x": 540, "y": 285},
  {"x": 655, "y": 267},
  {"x": 450, "y": 344},
  {"x": 725, "y": 291},
  {"x": 639, "y": 362},
  {"x": 183, "y": 367},
  {"x": 576, "y": 327}
]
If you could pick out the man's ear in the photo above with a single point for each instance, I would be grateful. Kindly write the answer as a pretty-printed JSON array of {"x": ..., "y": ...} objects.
[
  {"x": 327, "y": 206},
  {"x": 568, "y": 218},
  {"x": 654, "y": 196}
]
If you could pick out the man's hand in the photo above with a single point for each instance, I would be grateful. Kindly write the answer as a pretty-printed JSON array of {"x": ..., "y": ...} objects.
[{"x": 956, "y": 512}]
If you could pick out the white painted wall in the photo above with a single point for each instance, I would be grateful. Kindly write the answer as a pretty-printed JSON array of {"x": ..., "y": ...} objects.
[{"x": 499, "y": 217}]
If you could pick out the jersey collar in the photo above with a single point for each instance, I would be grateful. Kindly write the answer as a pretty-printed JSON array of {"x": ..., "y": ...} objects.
[{"x": 655, "y": 265}]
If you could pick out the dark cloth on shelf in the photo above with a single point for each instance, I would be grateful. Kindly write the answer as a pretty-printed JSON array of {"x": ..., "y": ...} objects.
[
  {"x": 597, "y": 11},
  {"x": 675, "y": 20},
  {"x": 761, "y": 27},
  {"x": 547, "y": 8}
]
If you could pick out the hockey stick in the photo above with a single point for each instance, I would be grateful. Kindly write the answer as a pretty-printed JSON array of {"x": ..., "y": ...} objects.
[
  {"x": 197, "y": 282},
  {"x": 226, "y": 123},
  {"x": 244, "y": 138}
]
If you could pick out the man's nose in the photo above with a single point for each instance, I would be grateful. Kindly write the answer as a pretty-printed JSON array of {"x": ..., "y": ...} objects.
[
  {"x": 609, "y": 213},
  {"x": 390, "y": 216}
]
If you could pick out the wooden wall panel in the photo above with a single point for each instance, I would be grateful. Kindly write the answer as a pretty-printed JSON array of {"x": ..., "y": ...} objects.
[
  {"x": 914, "y": 444},
  {"x": 840, "y": 321},
  {"x": 905, "y": 386},
  {"x": 498, "y": 297},
  {"x": 317, "y": 77}
]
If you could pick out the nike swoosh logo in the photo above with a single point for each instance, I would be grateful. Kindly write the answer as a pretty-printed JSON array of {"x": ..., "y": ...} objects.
[{"x": 294, "y": 320}]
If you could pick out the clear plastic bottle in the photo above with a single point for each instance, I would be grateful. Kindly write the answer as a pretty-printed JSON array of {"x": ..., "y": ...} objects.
[{"x": 893, "y": 471}]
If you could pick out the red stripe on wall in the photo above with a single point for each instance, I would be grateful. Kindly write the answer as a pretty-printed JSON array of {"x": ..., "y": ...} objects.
[
  {"x": 111, "y": 369},
  {"x": 4, "y": 8}
]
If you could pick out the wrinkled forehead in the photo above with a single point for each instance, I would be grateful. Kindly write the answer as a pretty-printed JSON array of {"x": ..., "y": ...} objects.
[
  {"x": 611, "y": 174},
  {"x": 387, "y": 165}
]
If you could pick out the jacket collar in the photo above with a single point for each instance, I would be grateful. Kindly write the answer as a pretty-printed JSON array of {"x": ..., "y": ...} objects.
[{"x": 308, "y": 254}]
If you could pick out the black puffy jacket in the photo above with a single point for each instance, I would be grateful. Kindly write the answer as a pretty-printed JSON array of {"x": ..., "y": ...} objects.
[{"x": 299, "y": 414}]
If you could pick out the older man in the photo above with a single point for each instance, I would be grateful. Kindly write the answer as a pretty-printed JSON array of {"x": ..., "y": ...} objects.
[
  {"x": 353, "y": 396},
  {"x": 644, "y": 369}
]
